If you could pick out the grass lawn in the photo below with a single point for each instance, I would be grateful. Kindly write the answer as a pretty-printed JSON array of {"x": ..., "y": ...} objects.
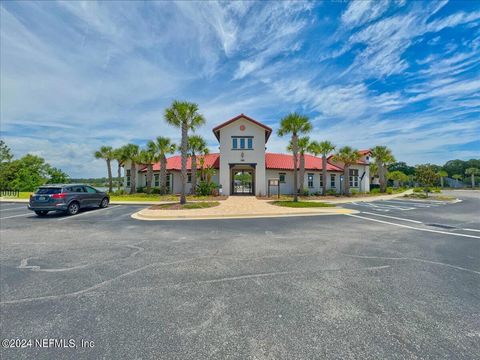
[
  {"x": 22, "y": 195},
  {"x": 301, "y": 204},
  {"x": 192, "y": 205}
]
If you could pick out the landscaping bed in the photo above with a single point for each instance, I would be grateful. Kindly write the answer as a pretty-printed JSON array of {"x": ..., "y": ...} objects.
[
  {"x": 300, "y": 204},
  {"x": 157, "y": 197},
  {"x": 187, "y": 206},
  {"x": 430, "y": 197}
]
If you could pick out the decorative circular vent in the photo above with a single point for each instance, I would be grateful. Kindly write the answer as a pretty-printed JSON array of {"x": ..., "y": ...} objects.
[{"x": 242, "y": 127}]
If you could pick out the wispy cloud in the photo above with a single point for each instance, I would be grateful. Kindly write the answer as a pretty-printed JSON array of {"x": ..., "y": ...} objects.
[{"x": 76, "y": 75}]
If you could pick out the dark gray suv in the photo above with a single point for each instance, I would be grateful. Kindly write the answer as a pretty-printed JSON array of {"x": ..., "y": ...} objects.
[{"x": 69, "y": 198}]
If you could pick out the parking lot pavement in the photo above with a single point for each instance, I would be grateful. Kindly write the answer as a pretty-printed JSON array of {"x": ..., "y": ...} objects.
[{"x": 338, "y": 287}]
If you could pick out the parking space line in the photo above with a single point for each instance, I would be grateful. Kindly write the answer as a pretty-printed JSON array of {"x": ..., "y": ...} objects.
[
  {"x": 87, "y": 212},
  {"x": 476, "y": 230},
  {"x": 404, "y": 203},
  {"x": 413, "y": 228},
  {"x": 14, "y": 208},
  {"x": 14, "y": 216},
  {"x": 392, "y": 217}
]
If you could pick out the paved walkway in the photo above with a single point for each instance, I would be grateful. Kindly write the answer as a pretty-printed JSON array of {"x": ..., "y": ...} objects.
[{"x": 237, "y": 207}]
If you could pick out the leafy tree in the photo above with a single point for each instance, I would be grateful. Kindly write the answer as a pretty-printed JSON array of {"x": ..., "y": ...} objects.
[
  {"x": 442, "y": 174},
  {"x": 148, "y": 157},
  {"x": 453, "y": 167},
  {"x": 398, "y": 176},
  {"x": 162, "y": 146},
  {"x": 401, "y": 166},
  {"x": 324, "y": 148},
  {"x": 184, "y": 115},
  {"x": 347, "y": 156},
  {"x": 294, "y": 124},
  {"x": 27, "y": 173},
  {"x": 383, "y": 157},
  {"x": 196, "y": 145},
  {"x": 106, "y": 153},
  {"x": 5, "y": 152},
  {"x": 303, "y": 145},
  {"x": 426, "y": 175},
  {"x": 56, "y": 176},
  {"x": 472, "y": 172}
]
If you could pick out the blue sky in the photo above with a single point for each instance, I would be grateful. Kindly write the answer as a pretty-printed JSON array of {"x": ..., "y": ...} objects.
[{"x": 77, "y": 75}]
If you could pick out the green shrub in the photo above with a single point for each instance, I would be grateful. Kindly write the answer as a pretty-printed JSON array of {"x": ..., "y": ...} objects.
[
  {"x": 389, "y": 190},
  {"x": 418, "y": 190},
  {"x": 140, "y": 189},
  {"x": 206, "y": 189},
  {"x": 331, "y": 192},
  {"x": 375, "y": 191},
  {"x": 354, "y": 191}
]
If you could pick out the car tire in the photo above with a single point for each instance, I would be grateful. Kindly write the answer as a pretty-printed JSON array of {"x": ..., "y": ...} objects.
[
  {"x": 73, "y": 208},
  {"x": 41, "y": 212},
  {"x": 104, "y": 203}
]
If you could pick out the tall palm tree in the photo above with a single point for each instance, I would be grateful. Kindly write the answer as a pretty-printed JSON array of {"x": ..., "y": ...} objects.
[
  {"x": 184, "y": 115},
  {"x": 132, "y": 152},
  {"x": 106, "y": 153},
  {"x": 347, "y": 156},
  {"x": 294, "y": 124},
  {"x": 472, "y": 172},
  {"x": 162, "y": 146},
  {"x": 442, "y": 174},
  {"x": 196, "y": 145},
  {"x": 120, "y": 156},
  {"x": 324, "y": 148},
  {"x": 148, "y": 157},
  {"x": 383, "y": 157},
  {"x": 303, "y": 146}
]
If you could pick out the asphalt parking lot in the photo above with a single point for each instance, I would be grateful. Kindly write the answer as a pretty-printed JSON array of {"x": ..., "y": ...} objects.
[{"x": 396, "y": 284}]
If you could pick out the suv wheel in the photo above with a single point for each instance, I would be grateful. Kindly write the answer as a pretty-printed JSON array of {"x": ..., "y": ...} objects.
[
  {"x": 73, "y": 208},
  {"x": 104, "y": 203},
  {"x": 41, "y": 212}
]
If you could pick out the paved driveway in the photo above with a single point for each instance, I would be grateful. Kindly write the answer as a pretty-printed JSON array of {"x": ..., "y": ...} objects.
[{"x": 337, "y": 287}]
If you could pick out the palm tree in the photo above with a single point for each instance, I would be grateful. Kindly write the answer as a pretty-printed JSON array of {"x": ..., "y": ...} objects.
[
  {"x": 162, "y": 146},
  {"x": 348, "y": 157},
  {"x": 120, "y": 156},
  {"x": 472, "y": 172},
  {"x": 185, "y": 116},
  {"x": 132, "y": 154},
  {"x": 322, "y": 148},
  {"x": 442, "y": 174},
  {"x": 148, "y": 157},
  {"x": 303, "y": 146},
  {"x": 294, "y": 124},
  {"x": 383, "y": 157},
  {"x": 457, "y": 177},
  {"x": 106, "y": 153},
  {"x": 196, "y": 144}
]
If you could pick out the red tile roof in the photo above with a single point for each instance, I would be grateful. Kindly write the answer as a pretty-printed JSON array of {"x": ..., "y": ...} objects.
[
  {"x": 272, "y": 161},
  {"x": 285, "y": 162},
  {"x": 216, "y": 129}
]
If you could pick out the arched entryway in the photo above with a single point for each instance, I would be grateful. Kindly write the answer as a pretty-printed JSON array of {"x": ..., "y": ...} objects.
[{"x": 242, "y": 180}]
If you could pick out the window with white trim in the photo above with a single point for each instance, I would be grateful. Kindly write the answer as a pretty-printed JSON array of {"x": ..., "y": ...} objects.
[
  {"x": 189, "y": 177},
  {"x": 242, "y": 142},
  {"x": 310, "y": 180},
  {"x": 353, "y": 177},
  {"x": 332, "y": 180}
]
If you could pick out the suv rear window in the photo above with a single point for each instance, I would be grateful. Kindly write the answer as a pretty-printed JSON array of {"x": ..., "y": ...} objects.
[{"x": 48, "y": 190}]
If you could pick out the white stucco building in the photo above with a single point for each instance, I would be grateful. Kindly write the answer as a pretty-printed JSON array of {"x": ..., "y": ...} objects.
[{"x": 243, "y": 166}]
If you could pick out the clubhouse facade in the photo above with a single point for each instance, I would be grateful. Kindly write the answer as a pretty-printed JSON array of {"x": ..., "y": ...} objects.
[{"x": 244, "y": 167}]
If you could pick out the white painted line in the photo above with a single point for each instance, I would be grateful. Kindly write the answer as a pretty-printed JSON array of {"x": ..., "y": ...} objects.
[
  {"x": 392, "y": 217},
  {"x": 87, "y": 212},
  {"x": 403, "y": 203},
  {"x": 476, "y": 230},
  {"x": 14, "y": 216},
  {"x": 414, "y": 228},
  {"x": 14, "y": 208}
]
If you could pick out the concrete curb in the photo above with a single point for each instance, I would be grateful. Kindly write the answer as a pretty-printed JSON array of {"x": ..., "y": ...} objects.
[{"x": 139, "y": 216}]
